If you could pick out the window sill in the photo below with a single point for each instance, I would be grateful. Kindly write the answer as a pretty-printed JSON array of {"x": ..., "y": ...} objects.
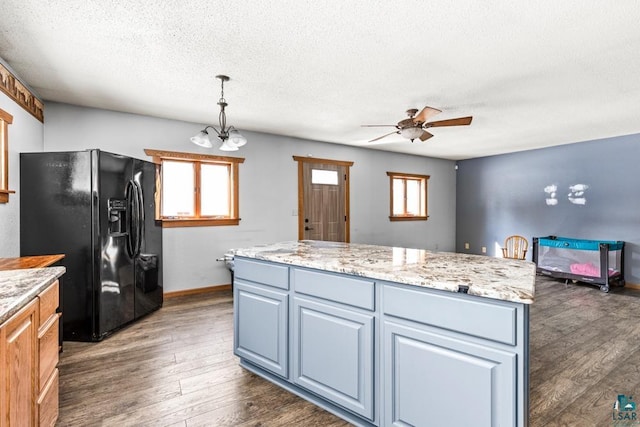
[
  {"x": 408, "y": 218},
  {"x": 198, "y": 222},
  {"x": 4, "y": 195}
]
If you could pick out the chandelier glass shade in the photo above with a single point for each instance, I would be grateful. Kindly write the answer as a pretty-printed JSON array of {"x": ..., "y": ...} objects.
[
  {"x": 230, "y": 137},
  {"x": 202, "y": 139}
]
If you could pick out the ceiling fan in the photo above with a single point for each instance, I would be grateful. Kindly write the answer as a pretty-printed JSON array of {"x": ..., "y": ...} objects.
[{"x": 415, "y": 126}]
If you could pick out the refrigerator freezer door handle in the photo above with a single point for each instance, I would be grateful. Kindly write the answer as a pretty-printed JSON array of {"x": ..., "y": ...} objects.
[
  {"x": 139, "y": 218},
  {"x": 130, "y": 220}
]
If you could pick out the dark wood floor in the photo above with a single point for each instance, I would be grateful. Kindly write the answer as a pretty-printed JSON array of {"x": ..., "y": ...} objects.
[
  {"x": 176, "y": 367},
  {"x": 585, "y": 350}
]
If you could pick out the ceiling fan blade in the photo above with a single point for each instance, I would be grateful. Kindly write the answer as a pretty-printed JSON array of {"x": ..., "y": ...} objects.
[
  {"x": 376, "y": 126},
  {"x": 425, "y": 114},
  {"x": 383, "y": 136},
  {"x": 460, "y": 121},
  {"x": 425, "y": 135}
]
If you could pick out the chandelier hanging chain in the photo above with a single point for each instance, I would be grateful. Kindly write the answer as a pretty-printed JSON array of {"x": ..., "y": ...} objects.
[{"x": 222, "y": 117}]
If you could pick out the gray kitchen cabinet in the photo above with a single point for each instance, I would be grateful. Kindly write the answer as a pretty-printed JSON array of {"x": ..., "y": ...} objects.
[
  {"x": 451, "y": 359},
  {"x": 261, "y": 326},
  {"x": 380, "y": 353},
  {"x": 333, "y": 354},
  {"x": 434, "y": 379}
]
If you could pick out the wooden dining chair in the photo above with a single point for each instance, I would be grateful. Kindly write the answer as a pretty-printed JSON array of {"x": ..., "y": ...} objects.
[{"x": 515, "y": 247}]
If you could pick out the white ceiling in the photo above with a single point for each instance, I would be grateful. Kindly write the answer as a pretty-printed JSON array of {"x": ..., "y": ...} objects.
[{"x": 531, "y": 73}]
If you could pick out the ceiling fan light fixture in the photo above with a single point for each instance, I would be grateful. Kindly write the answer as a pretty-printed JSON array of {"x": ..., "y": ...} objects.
[
  {"x": 415, "y": 126},
  {"x": 411, "y": 132},
  {"x": 230, "y": 137}
]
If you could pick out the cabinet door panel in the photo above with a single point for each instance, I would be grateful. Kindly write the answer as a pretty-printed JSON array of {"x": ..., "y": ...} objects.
[
  {"x": 20, "y": 366},
  {"x": 261, "y": 327},
  {"x": 333, "y": 354},
  {"x": 433, "y": 379}
]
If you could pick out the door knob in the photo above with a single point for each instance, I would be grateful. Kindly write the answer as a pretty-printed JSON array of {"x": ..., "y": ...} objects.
[{"x": 307, "y": 228}]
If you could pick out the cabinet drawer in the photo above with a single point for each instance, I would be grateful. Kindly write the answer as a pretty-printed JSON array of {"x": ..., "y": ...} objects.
[
  {"x": 48, "y": 402},
  {"x": 346, "y": 290},
  {"x": 49, "y": 301},
  {"x": 493, "y": 321},
  {"x": 48, "y": 347},
  {"x": 261, "y": 272}
]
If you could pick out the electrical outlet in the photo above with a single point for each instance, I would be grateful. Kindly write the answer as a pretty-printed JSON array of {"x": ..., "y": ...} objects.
[
  {"x": 484, "y": 249},
  {"x": 466, "y": 245}
]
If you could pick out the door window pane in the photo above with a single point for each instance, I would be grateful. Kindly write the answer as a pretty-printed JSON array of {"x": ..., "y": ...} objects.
[
  {"x": 320, "y": 176},
  {"x": 178, "y": 189},
  {"x": 214, "y": 187}
]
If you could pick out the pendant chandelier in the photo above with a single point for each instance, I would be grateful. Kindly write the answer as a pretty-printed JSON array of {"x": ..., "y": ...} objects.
[{"x": 231, "y": 138}]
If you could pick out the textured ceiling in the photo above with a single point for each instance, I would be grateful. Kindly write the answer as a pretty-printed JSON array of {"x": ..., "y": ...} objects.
[{"x": 532, "y": 74}]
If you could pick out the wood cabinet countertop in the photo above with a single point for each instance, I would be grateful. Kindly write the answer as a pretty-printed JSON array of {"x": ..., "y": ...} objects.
[{"x": 37, "y": 261}]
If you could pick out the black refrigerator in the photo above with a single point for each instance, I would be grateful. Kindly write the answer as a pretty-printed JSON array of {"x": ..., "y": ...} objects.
[{"x": 98, "y": 209}]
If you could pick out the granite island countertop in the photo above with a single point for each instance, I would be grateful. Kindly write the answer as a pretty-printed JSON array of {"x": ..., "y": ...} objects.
[
  {"x": 19, "y": 287},
  {"x": 489, "y": 277}
]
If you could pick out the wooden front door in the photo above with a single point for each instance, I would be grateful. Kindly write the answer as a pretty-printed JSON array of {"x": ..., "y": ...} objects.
[{"x": 323, "y": 193}]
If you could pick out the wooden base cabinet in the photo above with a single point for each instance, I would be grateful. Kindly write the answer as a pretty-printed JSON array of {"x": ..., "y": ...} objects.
[
  {"x": 19, "y": 355},
  {"x": 29, "y": 359}
]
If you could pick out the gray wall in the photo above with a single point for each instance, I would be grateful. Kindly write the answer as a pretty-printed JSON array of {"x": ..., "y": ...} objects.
[
  {"x": 268, "y": 188},
  {"x": 502, "y": 195},
  {"x": 25, "y": 134}
]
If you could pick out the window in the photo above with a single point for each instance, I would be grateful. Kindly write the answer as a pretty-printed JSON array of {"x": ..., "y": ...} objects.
[
  {"x": 5, "y": 120},
  {"x": 196, "y": 189},
  {"x": 326, "y": 177},
  {"x": 408, "y": 196}
]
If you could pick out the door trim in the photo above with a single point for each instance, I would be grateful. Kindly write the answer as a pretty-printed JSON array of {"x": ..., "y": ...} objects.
[{"x": 301, "y": 160}]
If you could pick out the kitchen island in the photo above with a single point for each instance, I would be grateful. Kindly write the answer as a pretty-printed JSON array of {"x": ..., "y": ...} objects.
[{"x": 388, "y": 336}]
